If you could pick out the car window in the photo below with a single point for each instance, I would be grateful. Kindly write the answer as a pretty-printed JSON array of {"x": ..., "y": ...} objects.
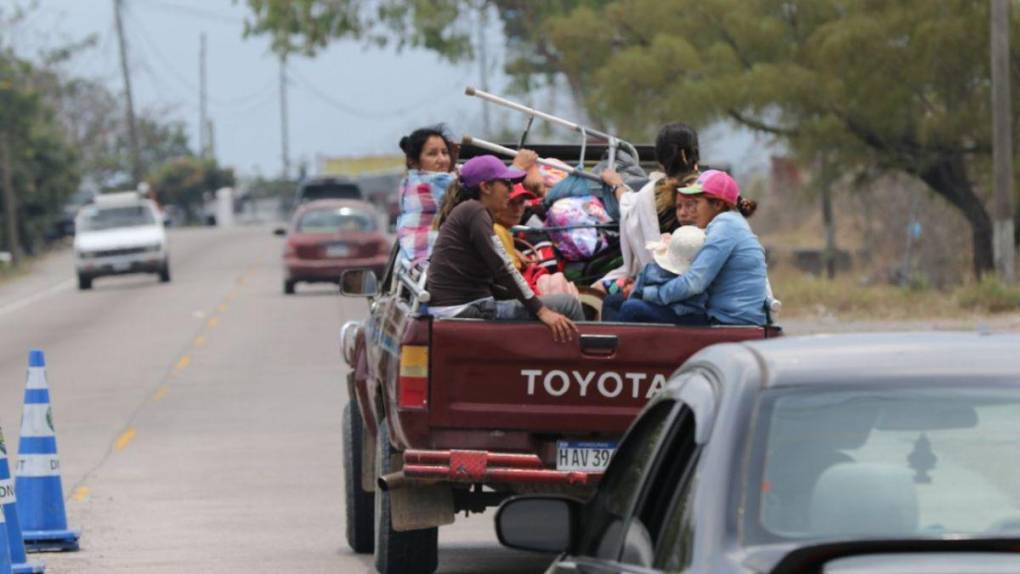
[
  {"x": 672, "y": 516},
  {"x": 905, "y": 462},
  {"x": 99, "y": 218},
  {"x": 336, "y": 220},
  {"x": 605, "y": 515}
]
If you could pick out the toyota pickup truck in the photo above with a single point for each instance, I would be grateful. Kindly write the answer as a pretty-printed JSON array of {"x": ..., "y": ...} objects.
[{"x": 451, "y": 415}]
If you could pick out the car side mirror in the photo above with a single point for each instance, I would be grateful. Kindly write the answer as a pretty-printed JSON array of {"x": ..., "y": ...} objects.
[
  {"x": 359, "y": 283},
  {"x": 280, "y": 231},
  {"x": 538, "y": 523}
]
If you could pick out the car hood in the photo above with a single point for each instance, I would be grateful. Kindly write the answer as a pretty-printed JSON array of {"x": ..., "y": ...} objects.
[{"x": 119, "y": 238}]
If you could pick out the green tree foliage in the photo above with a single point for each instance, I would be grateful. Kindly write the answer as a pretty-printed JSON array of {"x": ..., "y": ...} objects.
[
  {"x": 43, "y": 165},
  {"x": 186, "y": 182},
  {"x": 898, "y": 85}
]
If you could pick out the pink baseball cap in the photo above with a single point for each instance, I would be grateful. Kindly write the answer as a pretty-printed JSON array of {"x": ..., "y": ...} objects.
[{"x": 714, "y": 183}]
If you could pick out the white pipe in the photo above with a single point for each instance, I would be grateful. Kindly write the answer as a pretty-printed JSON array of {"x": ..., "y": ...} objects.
[{"x": 496, "y": 148}]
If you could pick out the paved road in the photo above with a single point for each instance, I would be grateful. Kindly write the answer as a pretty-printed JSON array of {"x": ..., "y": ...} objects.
[{"x": 199, "y": 421}]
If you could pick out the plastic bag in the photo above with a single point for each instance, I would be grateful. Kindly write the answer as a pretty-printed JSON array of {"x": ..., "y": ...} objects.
[{"x": 584, "y": 242}]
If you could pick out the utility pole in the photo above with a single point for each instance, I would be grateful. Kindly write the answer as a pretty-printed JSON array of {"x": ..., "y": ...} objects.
[
  {"x": 284, "y": 139},
  {"x": 10, "y": 203},
  {"x": 483, "y": 64},
  {"x": 136, "y": 156},
  {"x": 1002, "y": 145},
  {"x": 203, "y": 115}
]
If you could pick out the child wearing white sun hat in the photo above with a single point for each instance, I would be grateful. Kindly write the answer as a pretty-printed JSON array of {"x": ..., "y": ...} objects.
[{"x": 672, "y": 256}]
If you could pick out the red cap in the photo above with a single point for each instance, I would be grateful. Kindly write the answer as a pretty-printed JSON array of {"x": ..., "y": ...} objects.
[{"x": 519, "y": 191}]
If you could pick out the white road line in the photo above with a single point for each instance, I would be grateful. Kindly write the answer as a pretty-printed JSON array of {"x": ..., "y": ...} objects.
[{"x": 25, "y": 302}]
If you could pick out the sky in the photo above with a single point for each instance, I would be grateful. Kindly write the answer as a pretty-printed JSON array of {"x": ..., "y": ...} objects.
[{"x": 347, "y": 101}]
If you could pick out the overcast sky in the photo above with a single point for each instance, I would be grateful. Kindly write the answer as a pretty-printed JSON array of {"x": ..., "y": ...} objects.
[{"x": 347, "y": 101}]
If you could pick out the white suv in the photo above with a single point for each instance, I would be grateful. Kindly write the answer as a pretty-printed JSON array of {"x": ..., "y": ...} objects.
[{"x": 117, "y": 234}]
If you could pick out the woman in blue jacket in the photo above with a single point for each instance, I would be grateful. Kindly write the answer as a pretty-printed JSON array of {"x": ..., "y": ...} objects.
[{"x": 730, "y": 267}]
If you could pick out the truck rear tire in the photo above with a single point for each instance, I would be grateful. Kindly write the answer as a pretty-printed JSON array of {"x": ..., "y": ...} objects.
[
  {"x": 360, "y": 504},
  {"x": 410, "y": 552},
  {"x": 164, "y": 273},
  {"x": 84, "y": 282}
]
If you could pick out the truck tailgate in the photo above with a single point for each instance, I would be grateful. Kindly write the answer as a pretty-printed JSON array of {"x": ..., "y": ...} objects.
[{"x": 512, "y": 376}]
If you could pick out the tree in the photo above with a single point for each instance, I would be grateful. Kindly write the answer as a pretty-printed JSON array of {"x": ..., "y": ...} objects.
[
  {"x": 899, "y": 85},
  {"x": 186, "y": 181},
  {"x": 39, "y": 167}
]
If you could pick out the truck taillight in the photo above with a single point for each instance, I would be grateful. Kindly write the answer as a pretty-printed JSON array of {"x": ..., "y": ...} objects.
[{"x": 413, "y": 384}]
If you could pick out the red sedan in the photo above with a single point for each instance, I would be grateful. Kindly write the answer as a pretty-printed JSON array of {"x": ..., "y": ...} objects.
[{"x": 328, "y": 237}]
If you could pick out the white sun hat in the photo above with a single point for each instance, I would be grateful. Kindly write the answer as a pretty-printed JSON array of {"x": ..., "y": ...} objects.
[{"x": 675, "y": 252}]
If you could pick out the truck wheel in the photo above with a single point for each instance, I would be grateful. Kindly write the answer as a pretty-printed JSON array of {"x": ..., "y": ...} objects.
[
  {"x": 411, "y": 552},
  {"x": 360, "y": 505},
  {"x": 164, "y": 273},
  {"x": 84, "y": 282},
  {"x": 288, "y": 287}
]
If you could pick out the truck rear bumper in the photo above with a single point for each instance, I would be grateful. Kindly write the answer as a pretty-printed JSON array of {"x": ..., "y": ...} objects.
[{"x": 483, "y": 467}]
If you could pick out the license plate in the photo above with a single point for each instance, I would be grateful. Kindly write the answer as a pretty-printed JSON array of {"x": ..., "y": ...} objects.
[
  {"x": 338, "y": 251},
  {"x": 585, "y": 456}
]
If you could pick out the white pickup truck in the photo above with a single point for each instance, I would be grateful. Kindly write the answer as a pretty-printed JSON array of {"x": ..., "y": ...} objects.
[{"x": 118, "y": 234}]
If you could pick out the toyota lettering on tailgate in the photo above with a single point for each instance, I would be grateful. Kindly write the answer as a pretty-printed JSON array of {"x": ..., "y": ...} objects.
[{"x": 608, "y": 384}]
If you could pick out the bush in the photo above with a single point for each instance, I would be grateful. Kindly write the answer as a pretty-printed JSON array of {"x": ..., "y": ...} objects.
[{"x": 989, "y": 295}]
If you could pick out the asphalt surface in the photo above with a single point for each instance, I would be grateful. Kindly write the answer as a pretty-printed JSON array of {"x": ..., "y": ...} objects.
[{"x": 198, "y": 421}]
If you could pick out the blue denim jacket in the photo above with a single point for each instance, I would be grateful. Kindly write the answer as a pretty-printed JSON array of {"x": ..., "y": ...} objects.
[
  {"x": 730, "y": 268},
  {"x": 653, "y": 275}
]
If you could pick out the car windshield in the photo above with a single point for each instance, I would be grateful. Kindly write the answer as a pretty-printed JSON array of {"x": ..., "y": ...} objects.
[
  {"x": 336, "y": 220},
  {"x": 904, "y": 462},
  {"x": 100, "y": 218}
]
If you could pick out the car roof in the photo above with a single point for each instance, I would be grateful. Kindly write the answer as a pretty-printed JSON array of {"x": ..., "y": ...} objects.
[
  {"x": 879, "y": 357},
  {"x": 336, "y": 203}
]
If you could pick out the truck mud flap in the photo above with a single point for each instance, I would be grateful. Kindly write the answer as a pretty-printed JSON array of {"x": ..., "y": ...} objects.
[{"x": 418, "y": 507}]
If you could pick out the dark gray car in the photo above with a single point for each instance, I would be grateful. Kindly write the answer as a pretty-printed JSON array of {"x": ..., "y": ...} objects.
[{"x": 838, "y": 454}]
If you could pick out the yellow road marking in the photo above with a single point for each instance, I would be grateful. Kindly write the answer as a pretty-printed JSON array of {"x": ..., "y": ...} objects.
[
  {"x": 124, "y": 439},
  {"x": 213, "y": 322},
  {"x": 222, "y": 307},
  {"x": 200, "y": 341},
  {"x": 81, "y": 494},
  {"x": 161, "y": 392},
  {"x": 183, "y": 363}
]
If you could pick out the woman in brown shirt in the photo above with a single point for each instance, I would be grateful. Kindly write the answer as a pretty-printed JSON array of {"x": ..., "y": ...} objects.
[{"x": 468, "y": 258}]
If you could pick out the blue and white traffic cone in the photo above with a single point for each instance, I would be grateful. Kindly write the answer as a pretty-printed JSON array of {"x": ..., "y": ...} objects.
[
  {"x": 37, "y": 476},
  {"x": 15, "y": 543}
]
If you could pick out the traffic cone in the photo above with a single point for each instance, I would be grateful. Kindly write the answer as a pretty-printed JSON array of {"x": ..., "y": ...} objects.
[
  {"x": 37, "y": 476},
  {"x": 15, "y": 543}
]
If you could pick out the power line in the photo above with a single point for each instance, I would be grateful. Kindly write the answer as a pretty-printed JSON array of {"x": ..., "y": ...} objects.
[
  {"x": 194, "y": 12},
  {"x": 372, "y": 114}
]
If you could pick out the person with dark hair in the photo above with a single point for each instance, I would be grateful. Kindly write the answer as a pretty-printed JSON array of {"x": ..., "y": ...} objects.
[
  {"x": 730, "y": 267},
  {"x": 647, "y": 214},
  {"x": 429, "y": 156},
  {"x": 468, "y": 258}
]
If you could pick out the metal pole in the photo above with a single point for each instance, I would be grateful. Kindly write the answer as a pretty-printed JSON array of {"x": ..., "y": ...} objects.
[
  {"x": 1004, "y": 247},
  {"x": 136, "y": 157},
  {"x": 284, "y": 129},
  {"x": 203, "y": 117},
  {"x": 496, "y": 148}
]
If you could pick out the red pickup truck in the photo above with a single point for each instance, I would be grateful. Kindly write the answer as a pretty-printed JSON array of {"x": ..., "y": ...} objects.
[{"x": 450, "y": 415}]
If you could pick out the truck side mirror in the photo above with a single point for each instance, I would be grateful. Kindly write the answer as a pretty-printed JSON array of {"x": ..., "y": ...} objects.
[
  {"x": 538, "y": 523},
  {"x": 359, "y": 283}
]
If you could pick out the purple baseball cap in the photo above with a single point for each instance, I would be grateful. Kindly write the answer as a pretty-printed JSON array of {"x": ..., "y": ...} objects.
[{"x": 478, "y": 170}]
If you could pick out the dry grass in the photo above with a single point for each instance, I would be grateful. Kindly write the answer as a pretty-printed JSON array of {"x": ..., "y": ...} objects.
[{"x": 851, "y": 298}]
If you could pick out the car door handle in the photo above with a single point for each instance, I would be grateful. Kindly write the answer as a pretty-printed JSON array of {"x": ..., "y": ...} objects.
[{"x": 599, "y": 345}]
